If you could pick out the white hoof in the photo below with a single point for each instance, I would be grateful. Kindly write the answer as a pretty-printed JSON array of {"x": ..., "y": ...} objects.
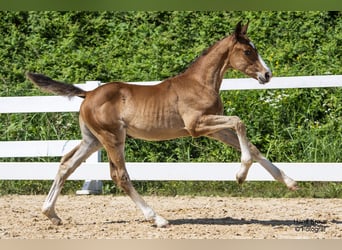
[
  {"x": 291, "y": 184},
  {"x": 160, "y": 221},
  {"x": 241, "y": 175}
]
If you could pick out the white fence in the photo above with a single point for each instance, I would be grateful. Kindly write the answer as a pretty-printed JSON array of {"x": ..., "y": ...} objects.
[{"x": 94, "y": 169}]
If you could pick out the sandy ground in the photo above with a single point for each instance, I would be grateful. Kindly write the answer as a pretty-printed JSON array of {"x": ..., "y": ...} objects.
[{"x": 108, "y": 217}]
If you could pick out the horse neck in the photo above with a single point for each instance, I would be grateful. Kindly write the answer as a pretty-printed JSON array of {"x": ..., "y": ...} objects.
[{"x": 210, "y": 67}]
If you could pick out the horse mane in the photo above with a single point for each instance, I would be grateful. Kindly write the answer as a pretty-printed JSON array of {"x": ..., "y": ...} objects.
[{"x": 203, "y": 53}]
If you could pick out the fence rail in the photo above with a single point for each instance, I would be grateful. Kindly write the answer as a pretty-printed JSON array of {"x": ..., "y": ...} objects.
[
  {"x": 97, "y": 170},
  {"x": 167, "y": 171}
]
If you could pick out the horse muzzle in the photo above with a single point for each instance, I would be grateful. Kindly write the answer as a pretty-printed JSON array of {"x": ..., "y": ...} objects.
[{"x": 265, "y": 77}]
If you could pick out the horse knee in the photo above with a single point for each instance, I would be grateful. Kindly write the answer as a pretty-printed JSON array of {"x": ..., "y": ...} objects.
[
  {"x": 247, "y": 161},
  {"x": 240, "y": 126}
]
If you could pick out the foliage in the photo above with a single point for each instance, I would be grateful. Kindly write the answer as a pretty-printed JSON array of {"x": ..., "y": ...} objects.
[{"x": 294, "y": 125}]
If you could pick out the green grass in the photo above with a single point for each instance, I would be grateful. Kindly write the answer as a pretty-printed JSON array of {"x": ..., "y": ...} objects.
[{"x": 190, "y": 188}]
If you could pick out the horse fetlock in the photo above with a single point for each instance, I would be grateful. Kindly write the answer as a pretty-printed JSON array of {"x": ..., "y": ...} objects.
[
  {"x": 149, "y": 214},
  {"x": 289, "y": 182},
  {"x": 247, "y": 161}
]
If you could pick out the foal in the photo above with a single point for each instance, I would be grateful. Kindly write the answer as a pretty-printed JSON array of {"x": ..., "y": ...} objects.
[{"x": 185, "y": 105}]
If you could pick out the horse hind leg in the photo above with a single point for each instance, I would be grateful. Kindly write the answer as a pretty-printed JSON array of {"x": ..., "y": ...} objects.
[
  {"x": 68, "y": 165},
  {"x": 114, "y": 145},
  {"x": 121, "y": 178},
  {"x": 48, "y": 208}
]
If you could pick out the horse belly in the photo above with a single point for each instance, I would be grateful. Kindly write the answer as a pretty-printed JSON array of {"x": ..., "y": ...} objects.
[
  {"x": 156, "y": 134},
  {"x": 154, "y": 119},
  {"x": 156, "y": 129}
]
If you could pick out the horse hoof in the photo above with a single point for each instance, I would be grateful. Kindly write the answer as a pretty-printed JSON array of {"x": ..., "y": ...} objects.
[
  {"x": 160, "y": 222},
  {"x": 291, "y": 184},
  {"x": 52, "y": 217},
  {"x": 56, "y": 221},
  {"x": 240, "y": 179}
]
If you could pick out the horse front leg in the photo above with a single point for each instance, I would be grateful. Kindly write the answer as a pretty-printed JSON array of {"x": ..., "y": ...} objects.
[
  {"x": 212, "y": 125},
  {"x": 230, "y": 138},
  {"x": 277, "y": 173}
]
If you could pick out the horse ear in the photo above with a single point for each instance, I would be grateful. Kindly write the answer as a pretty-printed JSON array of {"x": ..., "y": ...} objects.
[
  {"x": 244, "y": 29},
  {"x": 240, "y": 30}
]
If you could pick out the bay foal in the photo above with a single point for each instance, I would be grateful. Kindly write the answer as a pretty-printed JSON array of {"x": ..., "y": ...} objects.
[{"x": 185, "y": 105}]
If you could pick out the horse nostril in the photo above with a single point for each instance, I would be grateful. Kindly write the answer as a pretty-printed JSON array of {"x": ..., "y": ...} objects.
[{"x": 267, "y": 76}]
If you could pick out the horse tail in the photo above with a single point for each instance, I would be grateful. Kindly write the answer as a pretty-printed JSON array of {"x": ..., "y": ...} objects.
[{"x": 59, "y": 88}]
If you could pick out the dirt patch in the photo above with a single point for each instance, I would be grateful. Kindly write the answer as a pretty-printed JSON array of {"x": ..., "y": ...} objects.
[{"x": 108, "y": 217}]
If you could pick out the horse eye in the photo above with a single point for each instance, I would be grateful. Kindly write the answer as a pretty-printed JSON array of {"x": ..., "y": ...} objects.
[{"x": 247, "y": 52}]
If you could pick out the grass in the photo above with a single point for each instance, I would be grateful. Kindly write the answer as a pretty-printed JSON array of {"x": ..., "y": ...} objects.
[{"x": 265, "y": 189}]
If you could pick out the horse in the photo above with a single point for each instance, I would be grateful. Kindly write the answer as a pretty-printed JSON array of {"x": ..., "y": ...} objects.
[{"x": 187, "y": 104}]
